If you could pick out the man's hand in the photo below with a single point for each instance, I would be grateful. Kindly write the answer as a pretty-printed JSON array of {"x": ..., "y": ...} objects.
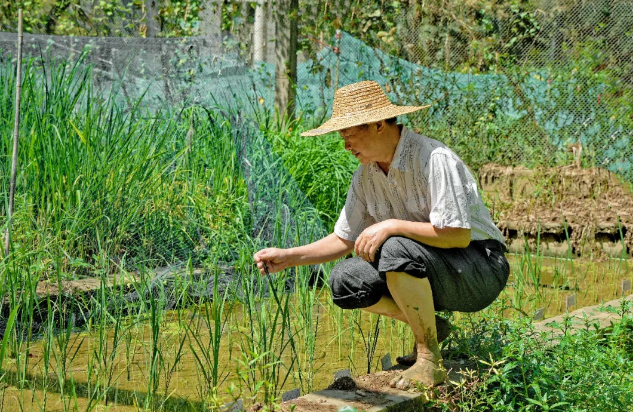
[
  {"x": 275, "y": 260},
  {"x": 372, "y": 238}
]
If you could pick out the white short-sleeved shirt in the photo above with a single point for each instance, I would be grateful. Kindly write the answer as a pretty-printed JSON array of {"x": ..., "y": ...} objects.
[{"x": 427, "y": 182}]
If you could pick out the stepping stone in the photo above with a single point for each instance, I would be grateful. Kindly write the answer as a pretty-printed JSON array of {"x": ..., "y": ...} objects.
[{"x": 372, "y": 394}]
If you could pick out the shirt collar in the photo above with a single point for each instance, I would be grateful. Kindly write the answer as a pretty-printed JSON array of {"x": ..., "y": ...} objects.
[{"x": 399, "y": 162}]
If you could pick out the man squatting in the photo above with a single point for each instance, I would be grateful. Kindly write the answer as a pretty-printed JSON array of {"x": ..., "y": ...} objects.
[{"x": 423, "y": 239}]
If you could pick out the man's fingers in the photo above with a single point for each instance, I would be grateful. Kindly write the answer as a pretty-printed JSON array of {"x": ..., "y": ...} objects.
[
  {"x": 260, "y": 267},
  {"x": 372, "y": 253},
  {"x": 267, "y": 267},
  {"x": 360, "y": 247},
  {"x": 375, "y": 244},
  {"x": 368, "y": 248}
]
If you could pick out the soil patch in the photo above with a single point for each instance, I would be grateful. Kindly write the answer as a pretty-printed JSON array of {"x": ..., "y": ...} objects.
[
  {"x": 345, "y": 384},
  {"x": 569, "y": 211}
]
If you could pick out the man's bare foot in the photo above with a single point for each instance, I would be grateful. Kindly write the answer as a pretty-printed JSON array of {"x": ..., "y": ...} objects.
[
  {"x": 443, "y": 328},
  {"x": 423, "y": 372}
]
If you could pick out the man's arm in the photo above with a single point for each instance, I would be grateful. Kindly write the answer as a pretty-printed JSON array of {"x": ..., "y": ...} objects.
[
  {"x": 324, "y": 250},
  {"x": 374, "y": 236},
  {"x": 424, "y": 232}
]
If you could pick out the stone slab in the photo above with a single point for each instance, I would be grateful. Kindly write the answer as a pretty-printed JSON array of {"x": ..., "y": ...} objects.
[
  {"x": 373, "y": 394},
  {"x": 387, "y": 400}
]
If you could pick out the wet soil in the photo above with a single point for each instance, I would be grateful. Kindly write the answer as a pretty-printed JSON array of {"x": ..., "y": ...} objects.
[{"x": 345, "y": 384}]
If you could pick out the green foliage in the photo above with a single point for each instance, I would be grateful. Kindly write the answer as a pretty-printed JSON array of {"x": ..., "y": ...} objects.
[
  {"x": 123, "y": 184},
  {"x": 180, "y": 18},
  {"x": 320, "y": 166},
  {"x": 522, "y": 369},
  {"x": 176, "y": 18}
]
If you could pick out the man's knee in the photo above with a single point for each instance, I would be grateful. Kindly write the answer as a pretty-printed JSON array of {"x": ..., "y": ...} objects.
[
  {"x": 393, "y": 247},
  {"x": 399, "y": 247},
  {"x": 354, "y": 286},
  {"x": 401, "y": 254}
]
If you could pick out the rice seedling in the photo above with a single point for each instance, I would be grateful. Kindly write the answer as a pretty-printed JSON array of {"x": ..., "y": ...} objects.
[
  {"x": 110, "y": 335},
  {"x": 307, "y": 325},
  {"x": 63, "y": 341},
  {"x": 265, "y": 337},
  {"x": 135, "y": 191},
  {"x": 371, "y": 340},
  {"x": 206, "y": 350}
]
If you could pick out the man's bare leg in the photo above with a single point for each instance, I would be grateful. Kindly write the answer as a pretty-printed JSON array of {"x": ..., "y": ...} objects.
[
  {"x": 414, "y": 298},
  {"x": 386, "y": 306},
  {"x": 443, "y": 328}
]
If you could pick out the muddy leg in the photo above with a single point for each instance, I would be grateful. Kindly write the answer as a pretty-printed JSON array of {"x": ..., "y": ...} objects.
[
  {"x": 415, "y": 300},
  {"x": 443, "y": 328}
]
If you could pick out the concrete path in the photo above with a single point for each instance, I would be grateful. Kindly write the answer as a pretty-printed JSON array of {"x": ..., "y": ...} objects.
[{"x": 594, "y": 317}]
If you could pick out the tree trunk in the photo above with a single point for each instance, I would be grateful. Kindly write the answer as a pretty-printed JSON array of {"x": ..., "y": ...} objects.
[
  {"x": 259, "y": 32},
  {"x": 286, "y": 56},
  {"x": 211, "y": 18},
  {"x": 151, "y": 22}
]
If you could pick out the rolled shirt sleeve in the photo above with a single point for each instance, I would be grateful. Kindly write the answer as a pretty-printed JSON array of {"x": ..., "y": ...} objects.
[
  {"x": 354, "y": 217},
  {"x": 449, "y": 193}
]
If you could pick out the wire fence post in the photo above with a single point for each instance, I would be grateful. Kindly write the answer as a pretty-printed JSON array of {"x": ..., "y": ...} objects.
[{"x": 16, "y": 131}]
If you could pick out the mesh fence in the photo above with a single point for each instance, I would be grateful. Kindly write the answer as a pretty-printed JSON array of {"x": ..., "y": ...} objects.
[
  {"x": 551, "y": 77},
  {"x": 507, "y": 85}
]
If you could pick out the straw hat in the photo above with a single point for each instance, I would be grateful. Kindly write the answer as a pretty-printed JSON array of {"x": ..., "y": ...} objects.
[{"x": 360, "y": 103}]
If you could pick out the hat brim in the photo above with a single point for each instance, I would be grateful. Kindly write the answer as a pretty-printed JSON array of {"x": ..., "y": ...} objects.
[{"x": 343, "y": 122}]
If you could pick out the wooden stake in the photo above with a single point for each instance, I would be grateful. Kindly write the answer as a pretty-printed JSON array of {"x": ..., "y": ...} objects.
[
  {"x": 570, "y": 302},
  {"x": 16, "y": 131},
  {"x": 287, "y": 15}
]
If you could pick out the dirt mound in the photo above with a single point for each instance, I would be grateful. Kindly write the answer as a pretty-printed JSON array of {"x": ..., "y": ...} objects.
[
  {"x": 570, "y": 211},
  {"x": 345, "y": 383}
]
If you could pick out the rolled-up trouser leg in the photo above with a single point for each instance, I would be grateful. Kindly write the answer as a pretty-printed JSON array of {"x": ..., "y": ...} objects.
[
  {"x": 355, "y": 284},
  {"x": 462, "y": 279}
]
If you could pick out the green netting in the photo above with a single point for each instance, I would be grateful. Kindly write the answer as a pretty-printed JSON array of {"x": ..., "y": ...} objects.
[
  {"x": 526, "y": 111},
  {"x": 523, "y": 115}
]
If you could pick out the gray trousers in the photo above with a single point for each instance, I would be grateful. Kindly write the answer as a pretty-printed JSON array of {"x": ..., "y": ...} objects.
[{"x": 462, "y": 279}]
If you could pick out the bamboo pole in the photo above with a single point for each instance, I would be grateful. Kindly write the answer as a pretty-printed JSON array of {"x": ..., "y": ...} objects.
[{"x": 16, "y": 131}]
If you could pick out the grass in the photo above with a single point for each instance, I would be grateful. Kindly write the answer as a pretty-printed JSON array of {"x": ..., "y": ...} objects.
[{"x": 131, "y": 192}]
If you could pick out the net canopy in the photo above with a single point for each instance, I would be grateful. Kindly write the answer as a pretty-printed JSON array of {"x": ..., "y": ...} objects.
[{"x": 561, "y": 77}]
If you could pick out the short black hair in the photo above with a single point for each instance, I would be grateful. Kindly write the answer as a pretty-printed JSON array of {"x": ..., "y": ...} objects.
[{"x": 392, "y": 121}]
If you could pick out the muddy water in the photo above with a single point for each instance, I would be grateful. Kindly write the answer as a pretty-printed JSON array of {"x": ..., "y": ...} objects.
[
  {"x": 328, "y": 341},
  {"x": 339, "y": 345},
  {"x": 547, "y": 283}
]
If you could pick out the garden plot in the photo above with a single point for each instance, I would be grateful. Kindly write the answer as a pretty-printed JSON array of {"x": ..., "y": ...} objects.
[{"x": 563, "y": 211}]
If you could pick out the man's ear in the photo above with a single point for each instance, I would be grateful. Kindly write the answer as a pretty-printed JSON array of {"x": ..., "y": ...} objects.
[{"x": 380, "y": 125}]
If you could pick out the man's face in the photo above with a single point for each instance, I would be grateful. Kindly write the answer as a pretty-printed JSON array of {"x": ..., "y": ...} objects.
[{"x": 362, "y": 141}]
